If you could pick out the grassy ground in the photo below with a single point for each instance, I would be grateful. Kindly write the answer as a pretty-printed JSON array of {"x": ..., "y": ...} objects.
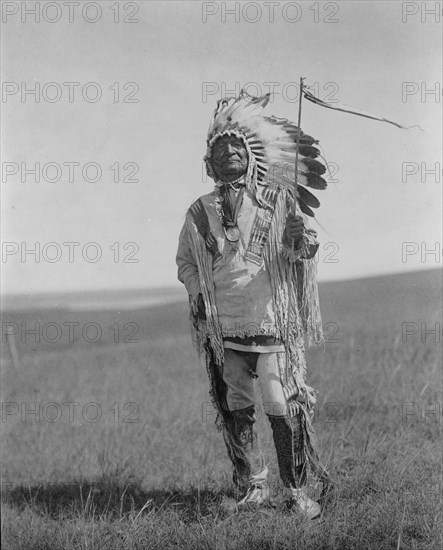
[{"x": 126, "y": 455}]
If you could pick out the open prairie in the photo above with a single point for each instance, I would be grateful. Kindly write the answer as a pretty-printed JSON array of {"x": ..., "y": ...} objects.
[{"x": 108, "y": 436}]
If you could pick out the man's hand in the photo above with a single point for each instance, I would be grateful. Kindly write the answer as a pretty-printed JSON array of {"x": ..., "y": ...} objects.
[
  {"x": 294, "y": 229},
  {"x": 201, "y": 311},
  {"x": 307, "y": 397}
]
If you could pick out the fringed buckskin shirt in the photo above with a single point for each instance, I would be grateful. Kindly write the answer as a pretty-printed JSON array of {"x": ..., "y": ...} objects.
[
  {"x": 245, "y": 284},
  {"x": 243, "y": 291},
  {"x": 257, "y": 287}
]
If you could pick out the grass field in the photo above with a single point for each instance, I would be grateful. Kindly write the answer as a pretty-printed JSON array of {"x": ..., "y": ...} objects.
[{"x": 121, "y": 451}]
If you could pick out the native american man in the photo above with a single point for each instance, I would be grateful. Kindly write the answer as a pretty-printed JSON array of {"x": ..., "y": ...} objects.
[{"x": 245, "y": 256}]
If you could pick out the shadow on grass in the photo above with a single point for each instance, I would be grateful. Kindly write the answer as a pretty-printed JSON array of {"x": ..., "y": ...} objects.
[{"x": 111, "y": 499}]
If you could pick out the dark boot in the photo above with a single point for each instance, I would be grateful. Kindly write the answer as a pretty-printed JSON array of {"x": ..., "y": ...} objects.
[
  {"x": 243, "y": 445},
  {"x": 288, "y": 440}
]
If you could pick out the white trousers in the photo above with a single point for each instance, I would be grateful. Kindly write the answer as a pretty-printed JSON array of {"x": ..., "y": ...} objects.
[{"x": 242, "y": 370}]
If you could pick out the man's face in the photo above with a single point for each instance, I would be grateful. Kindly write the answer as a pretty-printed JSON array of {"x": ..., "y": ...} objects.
[{"x": 229, "y": 158}]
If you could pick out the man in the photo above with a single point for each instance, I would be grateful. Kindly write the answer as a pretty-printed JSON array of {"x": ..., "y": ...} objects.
[{"x": 245, "y": 256}]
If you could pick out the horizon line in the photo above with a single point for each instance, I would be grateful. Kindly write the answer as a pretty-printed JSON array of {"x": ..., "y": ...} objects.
[{"x": 179, "y": 285}]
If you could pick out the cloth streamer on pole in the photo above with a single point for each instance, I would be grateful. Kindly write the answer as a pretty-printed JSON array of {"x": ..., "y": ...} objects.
[{"x": 354, "y": 111}]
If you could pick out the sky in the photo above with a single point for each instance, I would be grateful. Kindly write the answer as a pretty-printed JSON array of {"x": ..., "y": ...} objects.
[{"x": 119, "y": 150}]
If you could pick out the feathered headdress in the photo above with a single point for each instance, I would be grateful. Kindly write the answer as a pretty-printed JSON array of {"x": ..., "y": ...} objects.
[{"x": 271, "y": 143}]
